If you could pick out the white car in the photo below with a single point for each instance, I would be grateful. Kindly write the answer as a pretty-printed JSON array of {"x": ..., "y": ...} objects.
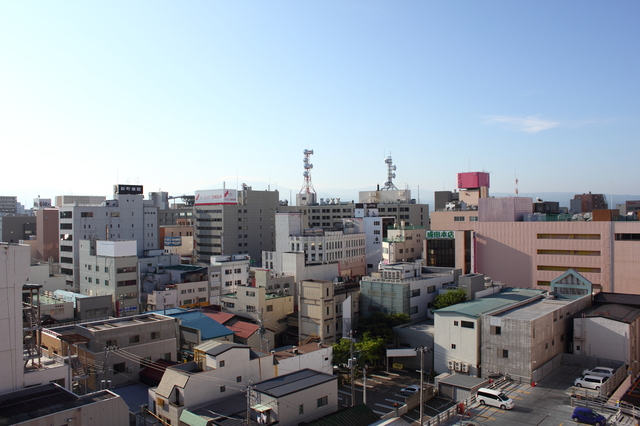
[
  {"x": 410, "y": 390},
  {"x": 599, "y": 371},
  {"x": 591, "y": 382}
]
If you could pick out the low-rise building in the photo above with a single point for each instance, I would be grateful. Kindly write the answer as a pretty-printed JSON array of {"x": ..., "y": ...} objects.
[{"x": 315, "y": 356}]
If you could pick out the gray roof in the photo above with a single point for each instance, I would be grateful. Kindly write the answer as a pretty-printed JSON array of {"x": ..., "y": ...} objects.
[
  {"x": 621, "y": 313},
  {"x": 619, "y": 298},
  {"x": 170, "y": 379},
  {"x": 477, "y": 307},
  {"x": 464, "y": 381},
  {"x": 215, "y": 348},
  {"x": 293, "y": 382}
]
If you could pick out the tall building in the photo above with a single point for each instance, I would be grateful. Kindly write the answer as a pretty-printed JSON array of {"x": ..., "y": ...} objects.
[
  {"x": 48, "y": 237},
  {"x": 127, "y": 217},
  {"x": 229, "y": 222},
  {"x": 585, "y": 203},
  {"x": 8, "y": 205}
]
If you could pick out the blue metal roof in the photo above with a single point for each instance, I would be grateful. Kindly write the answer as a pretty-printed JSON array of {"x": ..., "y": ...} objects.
[{"x": 209, "y": 328}]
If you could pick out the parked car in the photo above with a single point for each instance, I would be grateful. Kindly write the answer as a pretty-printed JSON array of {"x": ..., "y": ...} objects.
[
  {"x": 599, "y": 371},
  {"x": 494, "y": 398},
  {"x": 410, "y": 390},
  {"x": 591, "y": 382},
  {"x": 587, "y": 415}
]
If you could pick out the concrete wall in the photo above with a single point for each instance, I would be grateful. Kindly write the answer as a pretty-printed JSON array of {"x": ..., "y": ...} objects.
[{"x": 466, "y": 341}]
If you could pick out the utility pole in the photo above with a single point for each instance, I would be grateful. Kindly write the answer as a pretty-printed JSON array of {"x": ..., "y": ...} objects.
[
  {"x": 422, "y": 350},
  {"x": 249, "y": 387},
  {"x": 364, "y": 384},
  {"x": 352, "y": 366}
]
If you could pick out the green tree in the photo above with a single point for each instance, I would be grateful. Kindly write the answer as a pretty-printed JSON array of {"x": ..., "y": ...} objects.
[{"x": 450, "y": 297}]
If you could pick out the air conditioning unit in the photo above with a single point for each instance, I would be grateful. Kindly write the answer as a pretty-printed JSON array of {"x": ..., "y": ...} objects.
[
  {"x": 458, "y": 366},
  {"x": 452, "y": 365},
  {"x": 465, "y": 368}
]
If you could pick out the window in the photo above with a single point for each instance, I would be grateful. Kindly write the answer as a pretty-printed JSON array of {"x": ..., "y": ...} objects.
[
  {"x": 239, "y": 379},
  {"x": 301, "y": 409},
  {"x": 221, "y": 363},
  {"x": 251, "y": 293},
  {"x": 269, "y": 308},
  {"x": 455, "y": 323},
  {"x": 415, "y": 293},
  {"x": 431, "y": 289},
  {"x": 97, "y": 280},
  {"x": 453, "y": 346},
  {"x": 155, "y": 335},
  {"x": 413, "y": 310},
  {"x": 112, "y": 342},
  {"x": 458, "y": 218},
  {"x": 134, "y": 339},
  {"x": 323, "y": 401},
  {"x": 505, "y": 353},
  {"x": 222, "y": 389},
  {"x": 119, "y": 368},
  {"x": 106, "y": 270},
  {"x": 467, "y": 324},
  {"x": 496, "y": 330}
]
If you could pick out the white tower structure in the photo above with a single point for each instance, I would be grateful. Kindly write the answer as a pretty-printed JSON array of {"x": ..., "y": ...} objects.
[
  {"x": 307, "y": 194},
  {"x": 390, "y": 175}
]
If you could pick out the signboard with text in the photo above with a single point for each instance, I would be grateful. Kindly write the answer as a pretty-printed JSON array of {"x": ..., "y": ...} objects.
[
  {"x": 213, "y": 197},
  {"x": 434, "y": 235}
]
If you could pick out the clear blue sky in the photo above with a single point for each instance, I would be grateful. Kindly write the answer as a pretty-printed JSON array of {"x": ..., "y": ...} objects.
[{"x": 181, "y": 96}]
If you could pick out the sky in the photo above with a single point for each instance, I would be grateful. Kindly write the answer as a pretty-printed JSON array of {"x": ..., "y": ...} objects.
[{"x": 190, "y": 95}]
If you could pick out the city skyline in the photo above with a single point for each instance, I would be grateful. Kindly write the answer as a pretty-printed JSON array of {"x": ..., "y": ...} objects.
[{"x": 186, "y": 97}]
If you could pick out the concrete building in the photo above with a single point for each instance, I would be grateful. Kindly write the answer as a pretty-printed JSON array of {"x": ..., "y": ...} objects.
[
  {"x": 345, "y": 244},
  {"x": 46, "y": 274},
  {"x": 324, "y": 307},
  {"x": 521, "y": 338},
  {"x": 403, "y": 243},
  {"x": 458, "y": 330},
  {"x": 610, "y": 329},
  {"x": 87, "y": 307},
  {"x": 114, "y": 350},
  {"x": 504, "y": 245},
  {"x": 14, "y": 272},
  {"x": 79, "y": 200},
  {"x": 407, "y": 288},
  {"x": 8, "y": 205},
  {"x": 127, "y": 217},
  {"x": 296, "y": 398},
  {"x": 230, "y": 221},
  {"x": 226, "y": 273},
  {"x": 315, "y": 356},
  {"x": 177, "y": 239},
  {"x": 13, "y": 229},
  {"x": 245, "y": 332},
  {"x": 50, "y": 404},
  {"x": 110, "y": 268},
  {"x": 220, "y": 370},
  {"x": 48, "y": 237},
  {"x": 584, "y": 203}
]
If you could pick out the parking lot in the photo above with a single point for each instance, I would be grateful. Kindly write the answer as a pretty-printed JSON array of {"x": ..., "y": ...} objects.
[{"x": 546, "y": 404}]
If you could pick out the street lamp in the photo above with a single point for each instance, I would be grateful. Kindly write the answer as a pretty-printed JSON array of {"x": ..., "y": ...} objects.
[{"x": 422, "y": 350}]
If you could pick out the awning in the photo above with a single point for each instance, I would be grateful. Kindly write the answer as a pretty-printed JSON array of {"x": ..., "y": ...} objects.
[{"x": 260, "y": 408}]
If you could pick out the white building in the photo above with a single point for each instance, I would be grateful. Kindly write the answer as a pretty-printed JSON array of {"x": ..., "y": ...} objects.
[
  {"x": 127, "y": 217},
  {"x": 296, "y": 398},
  {"x": 223, "y": 369},
  {"x": 226, "y": 273},
  {"x": 315, "y": 356}
]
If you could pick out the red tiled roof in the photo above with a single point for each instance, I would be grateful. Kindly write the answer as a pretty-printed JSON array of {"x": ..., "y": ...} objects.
[
  {"x": 244, "y": 330},
  {"x": 220, "y": 317}
]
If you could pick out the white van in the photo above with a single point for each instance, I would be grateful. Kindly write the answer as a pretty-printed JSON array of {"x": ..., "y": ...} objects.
[
  {"x": 592, "y": 382},
  {"x": 494, "y": 398}
]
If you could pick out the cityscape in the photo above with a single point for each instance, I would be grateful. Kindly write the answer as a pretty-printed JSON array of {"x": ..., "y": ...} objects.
[{"x": 319, "y": 213}]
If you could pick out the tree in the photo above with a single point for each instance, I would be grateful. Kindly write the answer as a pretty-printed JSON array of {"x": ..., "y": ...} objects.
[{"x": 450, "y": 297}]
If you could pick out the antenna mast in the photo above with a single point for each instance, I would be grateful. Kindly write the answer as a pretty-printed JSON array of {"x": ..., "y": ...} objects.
[
  {"x": 307, "y": 187},
  {"x": 390, "y": 175}
]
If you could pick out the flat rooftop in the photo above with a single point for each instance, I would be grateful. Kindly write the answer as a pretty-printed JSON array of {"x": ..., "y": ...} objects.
[
  {"x": 535, "y": 309},
  {"x": 477, "y": 307}
]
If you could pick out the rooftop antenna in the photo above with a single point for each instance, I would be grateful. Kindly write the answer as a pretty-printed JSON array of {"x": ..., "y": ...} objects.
[
  {"x": 390, "y": 175},
  {"x": 307, "y": 187}
]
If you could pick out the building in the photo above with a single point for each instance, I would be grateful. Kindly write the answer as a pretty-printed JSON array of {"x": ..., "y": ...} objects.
[
  {"x": 79, "y": 200},
  {"x": 521, "y": 338},
  {"x": 315, "y": 356},
  {"x": 226, "y": 273},
  {"x": 220, "y": 370},
  {"x": 403, "y": 243},
  {"x": 407, "y": 288},
  {"x": 113, "y": 350},
  {"x": 51, "y": 404},
  {"x": 13, "y": 229},
  {"x": 48, "y": 237},
  {"x": 230, "y": 221},
  {"x": 327, "y": 311},
  {"x": 345, "y": 244},
  {"x": 610, "y": 329},
  {"x": 586, "y": 203},
  {"x": 458, "y": 330},
  {"x": 296, "y": 398},
  {"x": 127, "y": 217},
  {"x": 8, "y": 205},
  {"x": 110, "y": 268},
  {"x": 245, "y": 332},
  {"x": 511, "y": 244}
]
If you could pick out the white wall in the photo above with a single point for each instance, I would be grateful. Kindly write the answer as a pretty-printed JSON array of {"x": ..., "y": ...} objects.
[{"x": 466, "y": 341}]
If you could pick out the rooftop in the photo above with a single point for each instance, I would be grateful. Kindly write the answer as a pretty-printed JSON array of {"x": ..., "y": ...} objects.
[
  {"x": 535, "y": 309},
  {"x": 43, "y": 400},
  {"x": 619, "y": 298},
  {"x": 293, "y": 382},
  {"x": 484, "y": 305},
  {"x": 621, "y": 313}
]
